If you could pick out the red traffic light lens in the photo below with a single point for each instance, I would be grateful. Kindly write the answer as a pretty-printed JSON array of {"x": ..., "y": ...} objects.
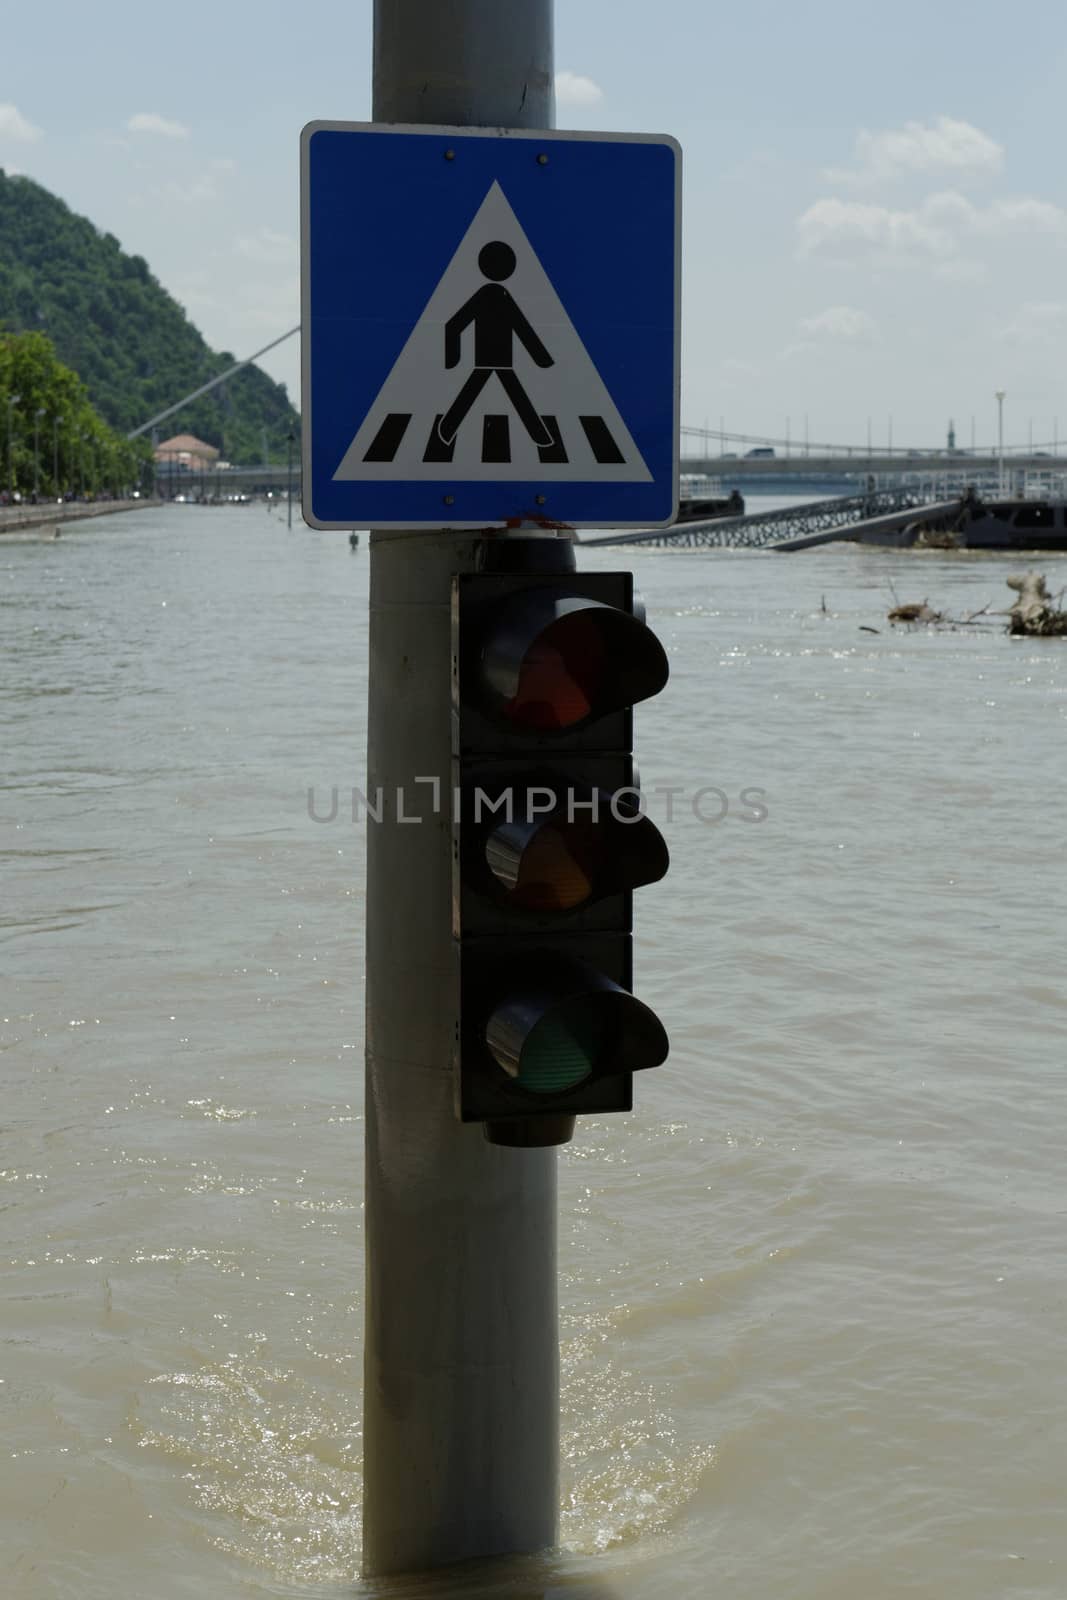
[
  {"x": 552, "y": 661},
  {"x": 560, "y": 676}
]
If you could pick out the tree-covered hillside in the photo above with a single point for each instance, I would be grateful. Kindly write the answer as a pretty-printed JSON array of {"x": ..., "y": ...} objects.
[{"x": 123, "y": 334}]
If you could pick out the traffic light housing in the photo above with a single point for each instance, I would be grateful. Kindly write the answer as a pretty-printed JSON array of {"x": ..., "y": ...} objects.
[{"x": 549, "y": 840}]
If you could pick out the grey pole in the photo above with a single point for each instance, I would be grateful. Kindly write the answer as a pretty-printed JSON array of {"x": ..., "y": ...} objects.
[
  {"x": 37, "y": 415},
  {"x": 12, "y": 402},
  {"x": 461, "y": 1364}
]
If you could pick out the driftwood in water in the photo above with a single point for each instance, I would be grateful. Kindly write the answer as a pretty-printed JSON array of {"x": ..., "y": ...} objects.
[
  {"x": 913, "y": 611},
  {"x": 936, "y": 539},
  {"x": 1034, "y": 613}
]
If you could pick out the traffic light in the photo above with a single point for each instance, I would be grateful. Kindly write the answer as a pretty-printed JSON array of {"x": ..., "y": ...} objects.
[{"x": 549, "y": 840}]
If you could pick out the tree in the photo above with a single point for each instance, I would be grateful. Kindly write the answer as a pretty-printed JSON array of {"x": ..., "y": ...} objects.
[{"x": 53, "y": 441}]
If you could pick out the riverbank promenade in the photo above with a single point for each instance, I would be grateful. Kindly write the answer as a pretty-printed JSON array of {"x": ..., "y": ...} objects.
[{"x": 24, "y": 518}]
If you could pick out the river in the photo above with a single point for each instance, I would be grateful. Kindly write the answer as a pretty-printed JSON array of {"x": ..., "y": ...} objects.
[{"x": 813, "y": 1290}]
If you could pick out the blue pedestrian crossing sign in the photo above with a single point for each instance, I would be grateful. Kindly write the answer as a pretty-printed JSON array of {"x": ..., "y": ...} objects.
[{"x": 490, "y": 327}]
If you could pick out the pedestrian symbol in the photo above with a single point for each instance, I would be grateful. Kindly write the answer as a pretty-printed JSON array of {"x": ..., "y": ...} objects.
[
  {"x": 493, "y": 372},
  {"x": 496, "y": 319}
]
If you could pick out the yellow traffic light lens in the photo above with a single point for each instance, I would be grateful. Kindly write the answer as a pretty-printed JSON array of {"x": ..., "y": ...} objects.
[
  {"x": 555, "y": 870},
  {"x": 559, "y": 1054},
  {"x": 560, "y": 676}
]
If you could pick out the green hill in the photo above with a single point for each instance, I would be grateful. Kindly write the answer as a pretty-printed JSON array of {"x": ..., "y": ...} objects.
[{"x": 122, "y": 333}]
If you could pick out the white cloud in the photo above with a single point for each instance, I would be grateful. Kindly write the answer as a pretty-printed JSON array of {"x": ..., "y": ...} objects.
[
  {"x": 1036, "y": 322},
  {"x": 152, "y": 122},
  {"x": 13, "y": 125},
  {"x": 845, "y": 229},
  {"x": 944, "y": 145},
  {"x": 842, "y": 324},
  {"x": 933, "y": 232},
  {"x": 1034, "y": 216},
  {"x": 574, "y": 90}
]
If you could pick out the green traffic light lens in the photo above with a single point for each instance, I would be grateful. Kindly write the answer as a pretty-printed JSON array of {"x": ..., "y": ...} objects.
[{"x": 560, "y": 1052}]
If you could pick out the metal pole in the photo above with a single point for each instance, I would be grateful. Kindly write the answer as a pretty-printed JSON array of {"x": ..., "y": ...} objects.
[
  {"x": 37, "y": 415},
  {"x": 205, "y": 388},
  {"x": 1000, "y": 393},
  {"x": 56, "y": 420},
  {"x": 12, "y": 402},
  {"x": 461, "y": 1363}
]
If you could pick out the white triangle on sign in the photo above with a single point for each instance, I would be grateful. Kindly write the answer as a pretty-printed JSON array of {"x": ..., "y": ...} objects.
[{"x": 537, "y": 409}]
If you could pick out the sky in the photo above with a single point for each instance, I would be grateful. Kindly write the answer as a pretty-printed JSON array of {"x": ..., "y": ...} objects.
[{"x": 875, "y": 197}]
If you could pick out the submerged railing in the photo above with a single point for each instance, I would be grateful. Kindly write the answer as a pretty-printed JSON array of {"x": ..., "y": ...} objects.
[{"x": 764, "y": 529}]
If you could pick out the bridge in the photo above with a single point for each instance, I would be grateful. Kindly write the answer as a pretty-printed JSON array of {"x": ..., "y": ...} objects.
[
  {"x": 880, "y": 464},
  {"x": 728, "y": 469}
]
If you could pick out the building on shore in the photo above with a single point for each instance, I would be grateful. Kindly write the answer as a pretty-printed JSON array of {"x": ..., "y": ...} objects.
[{"x": 186, "y": 451}]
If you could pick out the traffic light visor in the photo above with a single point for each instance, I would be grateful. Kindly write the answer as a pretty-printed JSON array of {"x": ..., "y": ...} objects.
[
  {"x": 562, "y": 861},
  {"x": 552, "y": 662},
  {"x": 569, "y": 1023}
]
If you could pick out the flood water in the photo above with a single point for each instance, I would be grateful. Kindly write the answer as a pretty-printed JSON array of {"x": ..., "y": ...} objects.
[{"x": 813, "y": 1290}]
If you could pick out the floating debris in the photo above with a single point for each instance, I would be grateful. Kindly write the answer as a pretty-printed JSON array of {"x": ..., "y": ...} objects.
[
  {"x": 914, "y": 611},
  {"x": 1034, "y": 613}
]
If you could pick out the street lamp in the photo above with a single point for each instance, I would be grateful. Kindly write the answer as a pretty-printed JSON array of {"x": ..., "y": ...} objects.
[
  {"x": 12, "y": 402},
  {"x": 56, "y": 420},
  {"x": 1000, "y": 393},
  {"x": 37, "y": 415}
]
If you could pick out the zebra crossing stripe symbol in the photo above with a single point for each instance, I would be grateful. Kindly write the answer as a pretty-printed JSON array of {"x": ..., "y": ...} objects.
[{"x": 494, "y": 382}]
